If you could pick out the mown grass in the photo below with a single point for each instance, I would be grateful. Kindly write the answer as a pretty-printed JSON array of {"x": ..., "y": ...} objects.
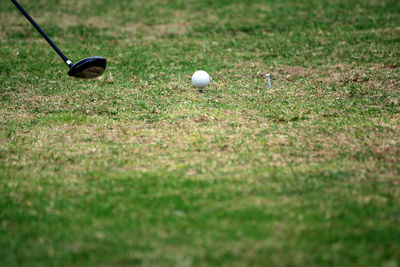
[{"x": 138, "y": 168}]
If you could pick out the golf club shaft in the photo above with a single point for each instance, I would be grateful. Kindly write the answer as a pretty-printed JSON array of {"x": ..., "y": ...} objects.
[{"x": 66, "y": 60}]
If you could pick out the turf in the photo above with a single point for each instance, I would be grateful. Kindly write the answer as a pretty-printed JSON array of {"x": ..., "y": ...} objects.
[{"x": 138, "y": 168}]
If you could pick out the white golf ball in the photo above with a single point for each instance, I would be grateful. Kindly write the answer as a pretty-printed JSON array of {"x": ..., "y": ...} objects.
[{"x": 200, "y": 79}]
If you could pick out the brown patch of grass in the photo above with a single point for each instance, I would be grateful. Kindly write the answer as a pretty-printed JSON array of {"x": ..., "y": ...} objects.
[
  {"x": 158, "y": 31},
  {"x": 388, "y": 150},
  {"x": 135, "y": 142},
  {"x": 178, "y": 25},
  {"x": 98, "y": 22},
  {"x": 172, "y": 29},
  {"x": 15, "y": 23},
  {"x": 392, "y": 85},
  {"x": 136, "y": 28},
  {"x": 64, "y": 21},
  {"x": 15, "y": 116},
  {"x": 70, "y": 20},
  {"x": 371, "y": 78},
  {"x": 188, "y": 143},
  {"x": 338, "y": 74},
  {"x": 77, "y": 4},
  {"x": 297, "y": 71}
]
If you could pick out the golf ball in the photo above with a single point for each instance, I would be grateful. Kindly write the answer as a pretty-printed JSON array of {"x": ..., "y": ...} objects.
[{"x": 200, "y": 79}]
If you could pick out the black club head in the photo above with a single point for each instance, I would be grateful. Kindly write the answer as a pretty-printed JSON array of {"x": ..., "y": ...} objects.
[{"x": 88, "y": 68}]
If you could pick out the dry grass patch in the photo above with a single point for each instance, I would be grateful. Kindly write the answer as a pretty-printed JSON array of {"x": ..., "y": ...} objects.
[
  {"x": 154, "y": 32},
  {"x": 288, "y": 71},
  {"x": 338, "y": 74}
]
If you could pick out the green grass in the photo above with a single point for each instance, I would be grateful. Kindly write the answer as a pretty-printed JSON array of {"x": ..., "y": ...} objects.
[{"x": 138, "y": 168}]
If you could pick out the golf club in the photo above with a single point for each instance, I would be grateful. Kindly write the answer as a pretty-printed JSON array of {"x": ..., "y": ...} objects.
[{"x": 86, "y": 68}]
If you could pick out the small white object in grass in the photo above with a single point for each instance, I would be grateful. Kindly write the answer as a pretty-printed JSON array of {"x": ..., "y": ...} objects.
[
  {"x": 268, "y": 79},
  {"x": 200, "y": 79}
]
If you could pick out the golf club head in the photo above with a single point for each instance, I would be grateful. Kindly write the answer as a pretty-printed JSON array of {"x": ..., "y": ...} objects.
[{"x": 88, "y": 68}]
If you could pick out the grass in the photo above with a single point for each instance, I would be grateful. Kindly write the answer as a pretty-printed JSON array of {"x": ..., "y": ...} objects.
[{"x": 138, "y": 168}]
